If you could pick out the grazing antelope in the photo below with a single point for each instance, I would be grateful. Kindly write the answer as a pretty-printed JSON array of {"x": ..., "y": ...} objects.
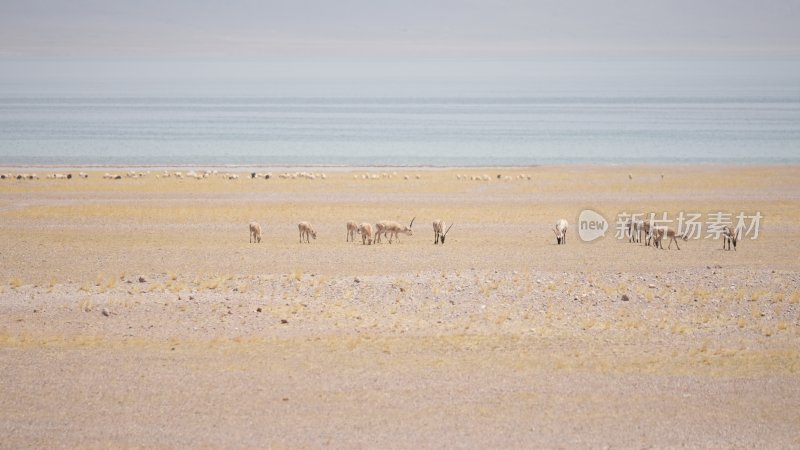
[
  {"x": 672, "y": 235},
  {"x": 380, "y": 229},
  {"x": 730, "y": 236},
  {"x": 365, "y": 230},
  {"x": 647, "y": 231},
  {"x": 352, "y": 228},
  {"x": 306, "y": 229},
  {"x": 393, "y": 229},
  {"x": 255, "y": 232},
  {"x": 439, "y": 232},
  {"x": 561, "y": 231},
  {"x": 635, "y": 228}
]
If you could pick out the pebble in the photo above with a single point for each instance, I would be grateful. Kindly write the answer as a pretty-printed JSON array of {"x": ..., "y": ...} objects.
[
  {"x": 651, "y": 286},
  {"x": 357, "y": 280},
  {"x": 105, "y": 312},
  {"x": 284, "y": 321},
  {"x": 625, "y": 298},
  {"x": 142, "y": 279}
]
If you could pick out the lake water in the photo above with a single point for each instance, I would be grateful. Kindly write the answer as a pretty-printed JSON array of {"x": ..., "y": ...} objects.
[{"x": 728, "y": 112}]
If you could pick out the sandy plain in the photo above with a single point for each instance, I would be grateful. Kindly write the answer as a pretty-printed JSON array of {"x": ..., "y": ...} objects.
[{"x": 499, "y": 338}]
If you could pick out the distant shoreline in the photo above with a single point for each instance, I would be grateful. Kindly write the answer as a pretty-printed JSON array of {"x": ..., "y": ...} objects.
[{"x": 344, "y": 168}]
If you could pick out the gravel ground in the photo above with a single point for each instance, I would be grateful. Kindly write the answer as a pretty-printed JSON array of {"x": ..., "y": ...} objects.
[{"x": 135, "y": 314}]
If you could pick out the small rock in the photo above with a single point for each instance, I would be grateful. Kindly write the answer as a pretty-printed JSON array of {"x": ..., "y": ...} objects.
[
  {"x": 258, "y": 309},
  {"x": 105, "y": 312},
  {"x": 625, "y": 298},
  {"x": 191, "y": 297},
  {"x": 357, "y": 280},
  {"x": 284, "y": 321},
  {"x": 142, "y": 279},
  {"x": 651, "y": 286}
]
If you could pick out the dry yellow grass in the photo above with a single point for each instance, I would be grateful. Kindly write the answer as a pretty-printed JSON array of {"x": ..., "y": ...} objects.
[{"x": 499, "y": 306}]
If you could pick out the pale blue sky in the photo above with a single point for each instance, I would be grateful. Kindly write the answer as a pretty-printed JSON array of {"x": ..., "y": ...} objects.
[{"x": 409, "y": 28}]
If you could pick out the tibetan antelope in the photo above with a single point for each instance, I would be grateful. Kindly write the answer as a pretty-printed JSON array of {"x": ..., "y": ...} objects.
[
  {"x": 658, "y": 237},
  {"x": 634, "y": 228},
  {"x": 255, "y": 232},
  {"x": 352, "y": 228},
  {"x": 393, "y": 229},
  {"x": 647, "y": 229},
  {"x": 730, "y": 236},
  {"x": 439, "y": 233},
  {"x": 306, "y": 229},
  {"x": 561, "y": 231},
  {"x": 365, "y": 230},
  {"x": 380, "y": 229}
]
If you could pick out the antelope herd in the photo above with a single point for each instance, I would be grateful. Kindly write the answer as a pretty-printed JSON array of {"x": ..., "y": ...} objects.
[
  {"x": 654, "y": 234},
  {"x": 636, "y": 230}
]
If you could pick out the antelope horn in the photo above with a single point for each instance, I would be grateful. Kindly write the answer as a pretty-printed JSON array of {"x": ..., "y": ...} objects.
[
  {"x": 448, "y": 229},
  {"x": 412, "y": 222}
]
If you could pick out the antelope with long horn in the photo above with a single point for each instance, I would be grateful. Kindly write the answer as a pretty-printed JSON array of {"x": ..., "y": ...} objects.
[
  {"x": 439, "y": 233},
  {"x": 393, "y": 229},
  {"x": 561, "y": 231}
]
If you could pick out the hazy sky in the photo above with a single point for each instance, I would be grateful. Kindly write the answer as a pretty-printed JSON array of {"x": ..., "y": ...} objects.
[{"x": 402, "y": 28}]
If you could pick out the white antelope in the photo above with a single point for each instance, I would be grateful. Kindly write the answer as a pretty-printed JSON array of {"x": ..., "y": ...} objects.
[
  {"x": 365, "y": 230},
  {"x": 561, "y": 231},
  {"x": 393, "y": 229},
  {"x": 255, "y": 232},
  {"x": 439, "y": 232},
  {"x": 306, "y": 230},
  {"x": 352, "y": 228},
  {"x": 730, "y": 236}
]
